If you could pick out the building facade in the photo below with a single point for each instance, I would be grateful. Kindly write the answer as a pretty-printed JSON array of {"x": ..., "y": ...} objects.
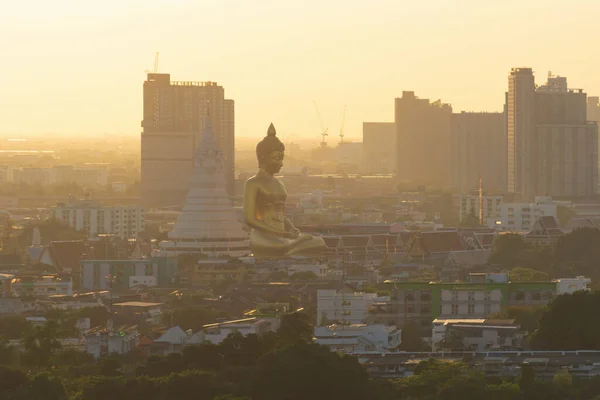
[
  {"x": 379, "y": 147},
  {"x": 521, "y": 217},
  {"x": 552, "y": 147},
  {"x": 469, "y": 205},
  {"x": 174, "y": 115},
  {"x": 423, "y": 140},
  {"x": 479, "y": 150},
  {"x": 95, "y": 274},
  {"x": 421, "y": 303},
  {"x": 343, "y": 306},
  {"x": 124, "y": 221}
]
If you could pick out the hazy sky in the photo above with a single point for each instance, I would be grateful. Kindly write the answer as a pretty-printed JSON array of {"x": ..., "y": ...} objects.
[{"x": 78, "y": 65}]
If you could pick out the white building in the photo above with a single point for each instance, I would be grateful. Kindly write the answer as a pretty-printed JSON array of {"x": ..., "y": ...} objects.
[
  {"x": 522, "y": 216},
  {"x": 208, "y": 223},
  {"x": 103, "y": 341},
  {"x": 42, "y": 286},
  {"x": 358, "y": 337},
  {"x": 343, "y": 306},
  {"x": 85, "y": 215},
  {"x": 476, "y": 334},
  {"x": 571, "y": 285},
  {"x": 469, "y": 205}
]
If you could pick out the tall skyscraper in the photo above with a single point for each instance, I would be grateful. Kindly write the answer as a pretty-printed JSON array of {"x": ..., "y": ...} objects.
[
  {"x": 520, "y": 108},
  {"x": 479, "y": 150},
  {"x": 174, "y": 114},
  {"x": 552, "y": 148},
  {"x": 422, "y": 140}
]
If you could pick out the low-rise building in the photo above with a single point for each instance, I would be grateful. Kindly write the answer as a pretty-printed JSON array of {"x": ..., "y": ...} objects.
[
  {"x": 87, "y": 216},
  {"x": 475, "y": 334},
  {"x": 343, "y": 305},
  {"x": 42, "y": 286},
  {"x": 357, "y": 337},
  {"x": 521, "y": 217},
  {"x": 102, "y": 341},
  {"x": 422, "y": 302},
  {"x": 572, "y": 285},
  {"x": 468, "y": 204},
  {"x": 96, "y": 274}
]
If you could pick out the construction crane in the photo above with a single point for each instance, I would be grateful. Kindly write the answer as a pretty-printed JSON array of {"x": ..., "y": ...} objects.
[
  {"x": 323, "y": 129},
  {"x": 342, "y": 128}
]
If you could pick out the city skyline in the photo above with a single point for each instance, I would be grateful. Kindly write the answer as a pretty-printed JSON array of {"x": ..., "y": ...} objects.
[{"x": 354, "y": 55}]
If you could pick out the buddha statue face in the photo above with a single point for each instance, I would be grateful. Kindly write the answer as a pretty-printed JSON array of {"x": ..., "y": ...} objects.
[
  {"x": 273, "y": 162},
  {"x": 270, "y": 152}
]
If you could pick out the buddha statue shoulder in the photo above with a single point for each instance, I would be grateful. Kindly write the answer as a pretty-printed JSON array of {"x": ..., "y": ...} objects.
[{"x": 272, "y": 234}]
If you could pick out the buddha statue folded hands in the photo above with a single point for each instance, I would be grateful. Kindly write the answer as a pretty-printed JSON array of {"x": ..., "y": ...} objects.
[{"x": 272, "y": 234}]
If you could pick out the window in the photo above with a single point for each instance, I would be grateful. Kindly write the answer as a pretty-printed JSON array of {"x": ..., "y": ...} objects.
[
  {"x": 454, "y": 309},
  {"x": 346, "y": 303},
  {"x": 471, "y": 309},
  {"x": 536, "y": 296},
  {"x": 409, "y": 297},
  {"x": 471, "y": 296}
]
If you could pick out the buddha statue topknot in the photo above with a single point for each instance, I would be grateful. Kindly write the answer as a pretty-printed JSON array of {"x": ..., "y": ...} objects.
[{"x": 272, "y": 234}]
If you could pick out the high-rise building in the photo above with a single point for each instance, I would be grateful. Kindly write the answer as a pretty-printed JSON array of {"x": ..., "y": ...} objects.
[
  {"x": 379, "y": 147},
  {"x": 552, "y": 148},
  {"x": 479, "y": 150},
  {"x": 520, "y": 108},
  {"x": 423, "y": 140},
  {"x": 174, "y": 114}
]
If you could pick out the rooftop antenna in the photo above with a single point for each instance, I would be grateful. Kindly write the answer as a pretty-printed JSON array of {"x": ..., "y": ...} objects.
[
  {"x": 323, "y": 129},
  {"x": 342, "y": 128},
  {"x": 155, "y": 70}
]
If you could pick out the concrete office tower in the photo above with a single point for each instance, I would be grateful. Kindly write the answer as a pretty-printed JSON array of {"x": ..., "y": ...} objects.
[
  {"x": 379, "y": 147},
  {"x": 423, "y": 140},
  {"x": 552, "y": 148},
  {"x": 174, "y": 114},
  {"x": 479, "y": 149},
  {"x": 520, "y": 109},
  {"x": 208, "y": 223}
]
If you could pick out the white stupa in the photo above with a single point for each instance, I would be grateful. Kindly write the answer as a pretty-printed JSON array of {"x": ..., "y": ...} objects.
[{"x": 208, "y": 223}]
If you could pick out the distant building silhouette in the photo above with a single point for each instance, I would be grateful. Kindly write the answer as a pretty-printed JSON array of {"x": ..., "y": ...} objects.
[
  {"x": 379, "y": 147},
  {"x": 552, "y": 148},
  {"x": 423, "y": 140},
  {"x": 173, "y": 121},
  {"x": 478, "y": 149}
]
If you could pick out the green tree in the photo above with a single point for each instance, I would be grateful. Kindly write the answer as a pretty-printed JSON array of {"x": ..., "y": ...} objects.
[
  {"x": 410, "y": 338},
  {"x": 295, "y": 327},
  {"x": 10, "y": 380},
  {"x": 309, "y": 371},
  {"x": 526, "y": 317},
  {"x": 41, "y": 343},
  {"x": 570, "y": 323},
  {"x": 506, "y": 250},
  {"x": 527, "y": 275},
  {"x": 14, "y": 326},
  {"x": 436, "y": 379},
  {"x": 42, "y": 386}
]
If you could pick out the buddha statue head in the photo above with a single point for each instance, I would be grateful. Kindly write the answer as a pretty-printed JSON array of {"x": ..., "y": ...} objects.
[{"x": 270, "y": 152}]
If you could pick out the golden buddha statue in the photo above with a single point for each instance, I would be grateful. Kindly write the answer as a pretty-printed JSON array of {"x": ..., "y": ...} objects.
[{"x": 272, "y": 234}]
